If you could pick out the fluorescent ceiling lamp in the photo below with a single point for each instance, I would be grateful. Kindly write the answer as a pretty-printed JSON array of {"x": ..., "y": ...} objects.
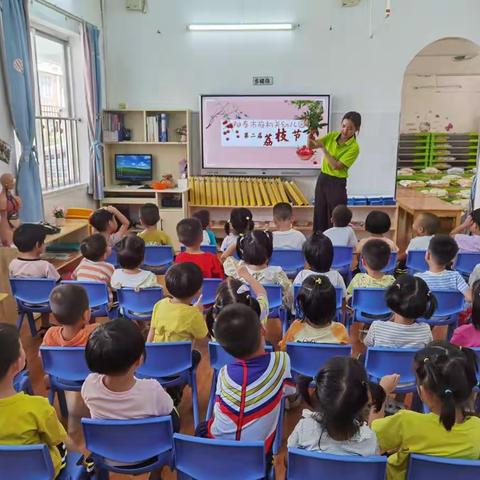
[{"x": 239, "y": 27}]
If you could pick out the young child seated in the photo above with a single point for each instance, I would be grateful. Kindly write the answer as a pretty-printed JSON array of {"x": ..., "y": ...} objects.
[
  {"x": 239, "y": 331},
  {"x": 318, "y": 253},
  {"x": 105, "y": 221},
  {"x": 130, "y": 257},
  {"x": 93, "y": 266},
  {"x": 410, "y": 299},
  {"x": 25, "y": 419},
  {"x": 174, "y": 318},
  {"x": 149, "y": 218},
  {"x": 232, "y": 290},
  {"x": 469, "y": 242},
  {"x": 255, "y": 250},
  {"x": 208, "y": 236},
  {"x": 446, "y": 377},
  {"x": 342, "y": 233},
  {"x": 343, "y": 404},
  {"x": 29, "y": 239},
  {"x": 441, "y": 252},
  {"x": 468, "y": 335},
  {"x": 285, "y": 236},
  {"x": 375, "y": 256},
  {"x": 377, "y": 224},
  {"x": 240, "y": 223},
  {"x": 190, "y": 233},
  {"x": 317, "y": 303},
  {"x": 425, "y": 226}
]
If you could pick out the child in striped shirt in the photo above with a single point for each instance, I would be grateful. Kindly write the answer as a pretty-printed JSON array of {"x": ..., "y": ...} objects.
[
  {"x": 93, "y": 267},
  {"x": 441, "y": 253},
  {"x": 409, "y": 298}
]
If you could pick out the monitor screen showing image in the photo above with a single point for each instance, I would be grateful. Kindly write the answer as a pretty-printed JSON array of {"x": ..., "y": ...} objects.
[{"x": 133, "y": 167}]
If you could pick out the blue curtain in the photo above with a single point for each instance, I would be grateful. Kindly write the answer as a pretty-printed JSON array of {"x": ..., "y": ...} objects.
[
  {"x": 93, "y": 87},
  {"x": 17, "y": 67}
]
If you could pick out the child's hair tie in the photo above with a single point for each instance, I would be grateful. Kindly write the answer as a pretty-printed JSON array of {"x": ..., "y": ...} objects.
[
  {"x": 243, "y": 288},
  {"x": 426, "y": 359},
  {"x": 447, "y": 391},
  {"x": 318, "y": 281},
  {"x": 247, "y": 218}
]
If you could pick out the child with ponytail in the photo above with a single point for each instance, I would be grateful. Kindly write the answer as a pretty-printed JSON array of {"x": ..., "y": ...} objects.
[
  {"x": 446, "y": 376},
  {"x": 240, "y": 223}
]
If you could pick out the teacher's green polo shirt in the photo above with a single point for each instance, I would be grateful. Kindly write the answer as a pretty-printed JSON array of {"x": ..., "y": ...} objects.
[{"x": 346, "y": 153}]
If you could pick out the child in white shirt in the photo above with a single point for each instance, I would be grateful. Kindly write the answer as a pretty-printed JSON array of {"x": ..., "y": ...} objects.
[
  {"x": 285, "y": 236},
  {"x": 342, "y": 234}
]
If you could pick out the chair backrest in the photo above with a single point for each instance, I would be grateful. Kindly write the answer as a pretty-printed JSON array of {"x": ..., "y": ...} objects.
[
  {"x": 158, "y": 255},
  {"x": 342, "y": 257},
  {"x": 204, "y": 248},
  {"x": 166, "y": 359},
  {"x": 200, "y": 458},
  {"x": 426, "y": 467},
  {"x": 209, "y": 290},
  {"x": 274, "y": 295},
  {"x": 371, "y": 301},
  {"x": 113, "y": 257},
  {"x": 97, "y": 292},
  {"x": 416, "y": 261},
  {"x": 287, "y": 259},
  {"x": 128, "y": 441},
  {"x": 466, "y": 262},
  {"x": 380, "y": 361},
  {"x": 26, "y": 462},
  {"x": 307, "y": 358},
  {"x": 338, "y": 293},
  {"x": 307, "y": 465},
  {"x": 67, "y": 363},
  {"x": 390, "y": 267},
  {"x": 219, "y": 357},
  {"x": 449, "y": 302},
  {"x": 141, "y": 301},
  {"x": 32, "y": 290}
]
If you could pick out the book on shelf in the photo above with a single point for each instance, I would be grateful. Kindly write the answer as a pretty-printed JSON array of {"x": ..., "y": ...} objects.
[{"x": 112, "y": 126}]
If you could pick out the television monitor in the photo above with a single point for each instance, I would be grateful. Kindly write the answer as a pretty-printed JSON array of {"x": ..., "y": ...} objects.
[
  {"x": 258, "y": 134},
  {"x": 133, "y": 167}
]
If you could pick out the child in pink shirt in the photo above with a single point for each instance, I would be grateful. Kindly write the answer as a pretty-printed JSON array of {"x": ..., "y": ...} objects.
[
  {"x": 468, "y": 242},
  {"x": 469, "y": 335}
]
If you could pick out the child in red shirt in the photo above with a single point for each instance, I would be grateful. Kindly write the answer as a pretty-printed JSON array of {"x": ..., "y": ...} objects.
[{"x": 190, "y": 233}]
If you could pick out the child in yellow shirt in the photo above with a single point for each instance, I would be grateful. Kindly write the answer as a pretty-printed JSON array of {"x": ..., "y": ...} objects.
[{"x": 149, "y": 217}]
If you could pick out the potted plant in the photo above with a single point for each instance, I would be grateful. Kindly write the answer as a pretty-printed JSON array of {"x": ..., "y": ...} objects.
[{"x": 59, "y": 215}]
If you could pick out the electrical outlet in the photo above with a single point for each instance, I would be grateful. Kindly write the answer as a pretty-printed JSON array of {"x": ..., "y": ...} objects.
[
  {"x": 262, "y": 81},
  {"x": 136, "y": 5}
]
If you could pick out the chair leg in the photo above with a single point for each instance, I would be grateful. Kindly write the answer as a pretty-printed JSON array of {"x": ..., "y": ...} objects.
[
  {"x": 31, "y": 323},
  {"x": 51, "y": 394},
  {"x": 20, "y": 318},
  {"x": 284, "y": 320},
  {"x": 62, "y": 401},
  {"x": 277, "y": 442},
  {"x": 193, "y": 385},
  {"x": 211, "y": 398}
]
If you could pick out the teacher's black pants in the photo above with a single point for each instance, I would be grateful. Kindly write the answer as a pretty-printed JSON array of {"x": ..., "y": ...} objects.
[{"x": 329, "y": 192}]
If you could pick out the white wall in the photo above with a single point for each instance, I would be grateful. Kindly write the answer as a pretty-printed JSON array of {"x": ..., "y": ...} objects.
[{"x": 330, "y": 53}]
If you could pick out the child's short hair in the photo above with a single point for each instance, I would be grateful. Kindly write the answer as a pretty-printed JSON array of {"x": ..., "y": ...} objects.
[
  {"x": 131, "y": 252},
  {"x": 318, "y": 252},
  {"x": 114, "y": 347},
  {"x": 430, "y": 223},
  {"x": 443, "y": 248},
  {"x": 93, "y": 248},
  {"x": 203, "y": 216},
  {"x": 377, "y": 222},
  {"x": 341, "y": 216},
  {"x": 475, "y": 215},
  {"x": 376, "y": 253},
  {"x": 256, "y": 247},
  {"x": 28, "y": 235},
  {"x": 68, "y": 303},
  {"x": 183, "y": 280},
  {"x": 241, "y": 220},
  {"x": 100, "y": 218},
  {"x": 149, "y": 214},
  {"x": 411, "y": 298},
  {"x": 189, "y": 231},
  {"x": 9, "y": 347},
  {"x": 282, "y": 211},
  {"x": 317, "y": 300},
  {"x": 238, "y": 330}
]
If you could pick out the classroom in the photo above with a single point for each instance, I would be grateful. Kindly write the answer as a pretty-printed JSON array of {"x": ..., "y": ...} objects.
[{"x": 239, "y": 239}]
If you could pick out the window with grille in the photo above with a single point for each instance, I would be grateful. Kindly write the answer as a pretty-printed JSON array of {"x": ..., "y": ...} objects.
[{"x": 56, "y": 125}]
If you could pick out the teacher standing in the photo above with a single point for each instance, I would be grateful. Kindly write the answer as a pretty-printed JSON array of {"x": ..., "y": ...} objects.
[{"x": 340, "y": 149}]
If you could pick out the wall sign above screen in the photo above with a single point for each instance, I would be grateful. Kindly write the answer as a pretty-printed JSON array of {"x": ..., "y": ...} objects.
[{"x": 258, "y": 134}]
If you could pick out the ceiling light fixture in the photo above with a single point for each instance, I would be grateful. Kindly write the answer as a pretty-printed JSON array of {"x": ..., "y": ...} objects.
[{"x": 240, "y": 27}]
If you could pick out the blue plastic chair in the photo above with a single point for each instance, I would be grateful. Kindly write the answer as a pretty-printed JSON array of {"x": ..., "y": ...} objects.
[
  {"x": 275, "y": 303},
  {"x": 32, "y": 296},
  {"x": 202, "y": 458},
  {"x": 426, "y": 467},
  {"x": 113, "y": 258},
  {"x": 342, "y": 260},
  {"x": 146, "y": 441},
  {"x": 307, "y": 358},
  {"x": 34, "y": 462},
  {"x": 390, "y": 267},
  {"x": 369, "y": 304},
  {"x": 416, "y": 261},
  {"x": 171, "y": 364},
  {"x": 67, "y": 369},
  {"x": 466, "y": 262},
  {"x": 98, "y": 297},
  {"x": 339, "y": 297},
  {"x": 209, "y": 290},
  {"x": 204, "y": 248},
  {"x": 138, "y": 305},
  {"x": 380, "y": 361},
  {"x": 22, "y": 383},
  {"x": 158, "y": 257},
  {"x": 291, "y": 261},
  {"x": 307, "y": 465}
]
